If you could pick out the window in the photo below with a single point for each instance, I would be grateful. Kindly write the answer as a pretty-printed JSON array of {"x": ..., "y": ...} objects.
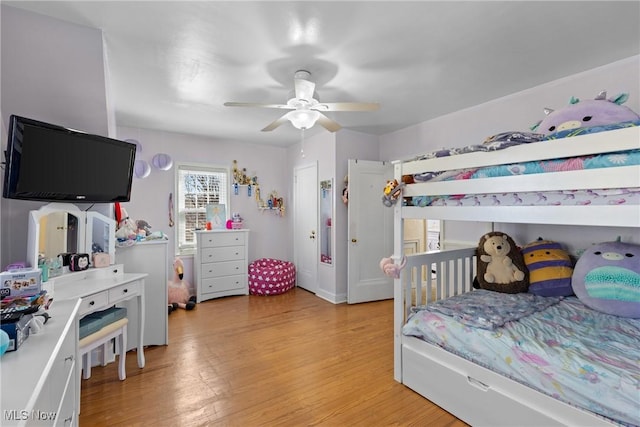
[{"x": 196, "y": 187}]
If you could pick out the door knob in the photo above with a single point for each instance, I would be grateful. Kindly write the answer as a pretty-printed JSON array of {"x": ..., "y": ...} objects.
[
  {"x": 313, "y": 235},
  {"x": 354, "y": 240}
]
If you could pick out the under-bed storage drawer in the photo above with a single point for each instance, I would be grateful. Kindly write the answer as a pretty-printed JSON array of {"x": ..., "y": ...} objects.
[{"x": 465, "y": 390}]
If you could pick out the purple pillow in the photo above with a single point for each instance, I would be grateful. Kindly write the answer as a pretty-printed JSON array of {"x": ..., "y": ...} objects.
[{"x": 607, "y": 278}]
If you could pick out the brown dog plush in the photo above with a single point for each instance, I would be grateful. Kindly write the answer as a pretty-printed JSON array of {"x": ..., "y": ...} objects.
[{"x": 501, "y": 267}]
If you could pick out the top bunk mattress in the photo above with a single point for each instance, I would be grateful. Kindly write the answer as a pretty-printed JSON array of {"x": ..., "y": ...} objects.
[
  {"x": 557, "y": 346},
  {"x": 587, "y": 167}
]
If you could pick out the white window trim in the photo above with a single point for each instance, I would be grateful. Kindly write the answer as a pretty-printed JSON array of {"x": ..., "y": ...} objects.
[{"x": 186, "y": 250}]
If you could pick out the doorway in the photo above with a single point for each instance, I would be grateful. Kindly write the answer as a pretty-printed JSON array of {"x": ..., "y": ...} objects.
[
  {"x": 305, "y": 228},
  {"x": 370, "y": 231}
]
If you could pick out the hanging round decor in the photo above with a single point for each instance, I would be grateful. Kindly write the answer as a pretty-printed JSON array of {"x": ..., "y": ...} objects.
[
  {"x": 141, "y": 169},
  {"x": 162, "y": 161}
]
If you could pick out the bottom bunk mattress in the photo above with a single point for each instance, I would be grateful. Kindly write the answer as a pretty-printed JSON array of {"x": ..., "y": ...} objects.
[{"x": 555, "y": 345}]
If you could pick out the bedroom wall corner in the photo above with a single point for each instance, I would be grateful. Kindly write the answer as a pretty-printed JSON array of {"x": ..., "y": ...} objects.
[{"x": 38, "y": 85}]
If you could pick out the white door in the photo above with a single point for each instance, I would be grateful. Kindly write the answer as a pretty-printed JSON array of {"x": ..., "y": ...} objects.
[
  {"x": 370, "y": 231},
  {"x": 305, "y": 229}
]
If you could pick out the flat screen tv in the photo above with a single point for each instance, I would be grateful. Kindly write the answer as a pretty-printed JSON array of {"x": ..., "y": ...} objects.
[{"x": 53, "y": 163}]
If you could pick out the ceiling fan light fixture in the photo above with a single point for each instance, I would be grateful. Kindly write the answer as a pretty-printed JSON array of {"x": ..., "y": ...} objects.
[{"x": 303, "y": 119}]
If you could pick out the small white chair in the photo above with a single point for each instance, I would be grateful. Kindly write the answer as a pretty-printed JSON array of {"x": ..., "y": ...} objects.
[{"x": 103, "y": 337}]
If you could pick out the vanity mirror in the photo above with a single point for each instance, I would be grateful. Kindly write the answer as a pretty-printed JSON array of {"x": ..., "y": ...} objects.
[
  {"x": 61, "y": 227},
  {"x": 326, "y": 215}
]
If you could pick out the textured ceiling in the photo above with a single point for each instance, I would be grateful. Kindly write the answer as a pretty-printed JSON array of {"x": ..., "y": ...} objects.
[{"x": 172, "y": 65}]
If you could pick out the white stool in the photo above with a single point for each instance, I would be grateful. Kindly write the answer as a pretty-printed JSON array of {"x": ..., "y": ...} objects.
[{"x": 117, "y": 329}]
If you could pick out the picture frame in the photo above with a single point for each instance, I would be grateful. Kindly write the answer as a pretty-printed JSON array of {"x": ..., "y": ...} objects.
[{"x": 217, "y": 216}]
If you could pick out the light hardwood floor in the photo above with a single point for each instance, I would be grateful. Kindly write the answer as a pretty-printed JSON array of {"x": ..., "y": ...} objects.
[{"x": 286, "y": 360}]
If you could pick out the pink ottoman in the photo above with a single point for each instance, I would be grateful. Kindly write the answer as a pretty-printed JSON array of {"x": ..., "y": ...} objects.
[{"x": 268, "y": 276}]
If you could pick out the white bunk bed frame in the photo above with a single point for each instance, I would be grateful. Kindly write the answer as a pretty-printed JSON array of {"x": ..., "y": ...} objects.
[{"x": 473, "y": 393}]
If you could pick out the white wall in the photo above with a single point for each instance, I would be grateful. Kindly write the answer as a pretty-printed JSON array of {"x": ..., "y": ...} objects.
[
  {"x": 518, "y": 112},
  {"x": 150, "y": 195},
  {"x": 515, "y": 112},
  {"x": 51, "y": 71}
]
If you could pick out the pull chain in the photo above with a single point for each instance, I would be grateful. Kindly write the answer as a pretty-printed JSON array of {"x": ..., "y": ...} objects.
[{"x": 302, "y": 145}]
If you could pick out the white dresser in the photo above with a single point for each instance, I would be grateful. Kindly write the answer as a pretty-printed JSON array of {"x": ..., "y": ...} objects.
[
  {"x": 220, "y": 265},
  {"x": 150, "y": 258},
  {"x": 40, "y": 380}
]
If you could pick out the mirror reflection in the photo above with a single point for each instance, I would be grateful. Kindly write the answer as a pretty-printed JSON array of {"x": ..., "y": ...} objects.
[
  {"x": 326, "y": 213},
  {"x": 58, "y": 234}
]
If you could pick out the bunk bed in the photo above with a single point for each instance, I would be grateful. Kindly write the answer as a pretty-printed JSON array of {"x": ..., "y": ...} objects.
[{"x": 468, "y": 388}]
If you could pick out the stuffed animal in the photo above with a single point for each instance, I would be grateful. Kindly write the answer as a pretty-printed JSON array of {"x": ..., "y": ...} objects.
[
  {"x": 392, "y": 269},
  {"x": 500, "y": 265},
  {"x": 550, "y": 268},
  {"x": 593, "y": 112},
  {"x": 179, "y": 295},
  {"x": 144, "y": 226},
  {"x": 392, "y": 192},
  {"x": 125, "y": 228},
  {"x": 607, "y": 278}
]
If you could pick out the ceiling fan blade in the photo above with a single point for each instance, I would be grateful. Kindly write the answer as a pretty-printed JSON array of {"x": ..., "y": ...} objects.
[
  {"x": 257, "y": 105},
  {"x": 328, "y": 124},
  {"x": 304, "y": 89},
  {"x": 271, "y": 126},
  {"x": 347, "y": 106}
]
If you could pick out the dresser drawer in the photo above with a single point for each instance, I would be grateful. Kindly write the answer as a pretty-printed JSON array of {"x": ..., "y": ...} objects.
[
  {"x": 93, "y": 302},
  {"x": 222, "y": 239},
  {"x": 225, "y": 253},
  {"x": 222, "y": 284},
  {"x": 220, "y": 269},
  {"x": 65, "y": 361},
  {"x": 123, "y": 291},
  {"x": 66, "y": 414}
]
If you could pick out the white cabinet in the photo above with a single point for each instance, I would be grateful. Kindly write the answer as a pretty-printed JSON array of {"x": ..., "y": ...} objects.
[
  {"x": 221, "y": 263},
  {"x": 150, "y": 258},
  {"x": 40, "y": 380}
]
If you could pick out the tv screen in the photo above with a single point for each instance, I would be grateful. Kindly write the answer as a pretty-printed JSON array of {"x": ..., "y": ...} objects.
[{"x": 53, "y": 163}]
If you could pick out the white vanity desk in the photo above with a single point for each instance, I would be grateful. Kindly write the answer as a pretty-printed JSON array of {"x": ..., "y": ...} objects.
[{"x": 101, "y": 288}]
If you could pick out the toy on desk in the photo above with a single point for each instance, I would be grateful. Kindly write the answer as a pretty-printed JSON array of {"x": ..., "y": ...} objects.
[{"x": 179, "y": 293}]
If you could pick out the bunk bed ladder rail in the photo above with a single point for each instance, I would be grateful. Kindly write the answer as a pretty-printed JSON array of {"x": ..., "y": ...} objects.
[{"x": 432, "y": 276}]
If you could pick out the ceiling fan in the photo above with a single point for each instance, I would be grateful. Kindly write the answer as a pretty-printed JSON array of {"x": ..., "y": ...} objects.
[{"x": 306, "y": 107}]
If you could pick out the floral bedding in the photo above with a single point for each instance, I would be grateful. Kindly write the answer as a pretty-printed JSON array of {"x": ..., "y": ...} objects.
[
  {"x": 508, "y": 139},
  {"x": 489, "y": 310},
  {"x": 581, "y": 356},
  {"x": 608, "y": 160},
  {"x": 611, "y": 196}
]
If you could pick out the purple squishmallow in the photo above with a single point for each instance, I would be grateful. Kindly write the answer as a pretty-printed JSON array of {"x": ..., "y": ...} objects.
[
  {"x": 607, "y": 278},
  {"x": 592, "y": 112}
]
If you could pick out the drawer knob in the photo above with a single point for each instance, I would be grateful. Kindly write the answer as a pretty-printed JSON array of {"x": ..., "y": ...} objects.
[
  {"x": 124, "y": 291},
  {"x": 92, "y": 303}
]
